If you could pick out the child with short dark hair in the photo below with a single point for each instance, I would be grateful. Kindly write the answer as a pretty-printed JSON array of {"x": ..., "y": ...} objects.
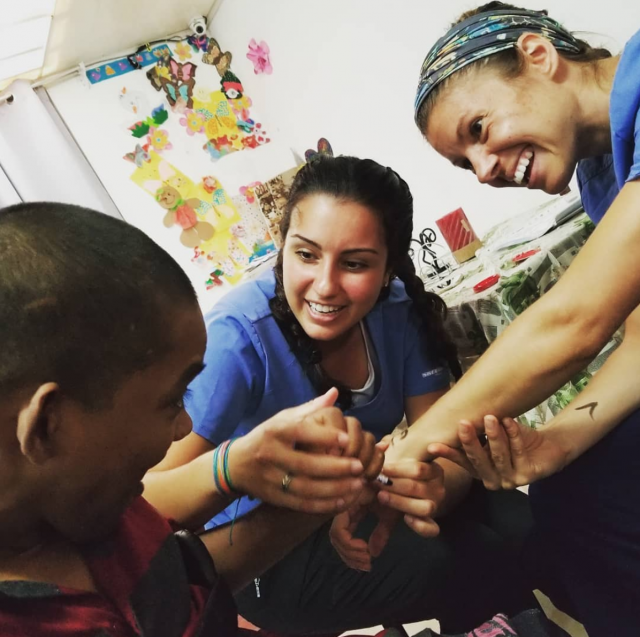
[{"x": 101, "y": 334}]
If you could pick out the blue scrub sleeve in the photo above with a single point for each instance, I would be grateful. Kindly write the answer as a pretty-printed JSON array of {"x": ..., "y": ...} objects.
[
  {"x": 421, "y": 375},
  {"x": 634, "y": 173},
  {"x": 230, "y": 386}
]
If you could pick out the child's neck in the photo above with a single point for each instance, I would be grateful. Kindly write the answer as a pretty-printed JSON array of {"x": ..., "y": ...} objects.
[
  {"x": 39, "y": 555},
  {"x": 59, "y": 563}
]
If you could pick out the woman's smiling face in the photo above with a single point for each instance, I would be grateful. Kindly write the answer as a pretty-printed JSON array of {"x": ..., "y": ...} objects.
[
  {"x": 515, "y": 132},
  {"x": 334, "y": 264}
]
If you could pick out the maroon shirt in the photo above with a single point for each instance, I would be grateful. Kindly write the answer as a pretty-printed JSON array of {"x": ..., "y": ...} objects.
[{"x": 145, "y": 589}]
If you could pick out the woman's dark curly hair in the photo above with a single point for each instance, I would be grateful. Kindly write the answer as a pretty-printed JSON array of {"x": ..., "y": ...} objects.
[{"x": 387, "y": 195}]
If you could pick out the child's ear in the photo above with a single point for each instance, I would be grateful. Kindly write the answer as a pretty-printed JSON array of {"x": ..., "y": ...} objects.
[{"x": 38, "y": 422}]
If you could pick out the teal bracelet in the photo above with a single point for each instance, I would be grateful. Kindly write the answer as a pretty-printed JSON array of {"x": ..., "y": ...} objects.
[{"x": 225, "y": 465}]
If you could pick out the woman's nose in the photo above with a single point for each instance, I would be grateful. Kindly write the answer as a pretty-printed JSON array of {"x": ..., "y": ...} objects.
[{"x": 327, "y": 281}]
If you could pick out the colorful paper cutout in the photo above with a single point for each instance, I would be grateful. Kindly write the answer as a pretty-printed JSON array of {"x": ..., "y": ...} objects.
[
  {"x": 249, "y": 191},
  {"x": 179, "y": 85},
  {"x": 127, "y": 64},
  {"x": 139, "y": 155},
  {"x": 159, "y": 115},
  {"x": 160, "y": 70},
  {"x": 204, "y": 216},
  {"x": 158, "y": 139},
  {"x": 198, "y": 42},
  {"x": 324, "y": 148},
  {"x": 259, "y": 55},
  {"x": 231, "y": 86},
  {"x": 215, "y": 56},
  {"x": 193, "y": 121},
  {"x": 183, "y": 51}
]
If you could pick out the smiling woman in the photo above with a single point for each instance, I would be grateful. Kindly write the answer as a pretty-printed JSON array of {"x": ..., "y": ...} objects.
[
  {"x": 535, "y": 110},
  {"x": 344, "y": 308},
  {"x": 514, "y": 96}
]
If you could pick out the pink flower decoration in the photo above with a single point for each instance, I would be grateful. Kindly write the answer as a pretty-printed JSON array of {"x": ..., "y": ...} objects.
[
  {"x": 259, "y": 55},
  {"x": 248, "y": 191}
]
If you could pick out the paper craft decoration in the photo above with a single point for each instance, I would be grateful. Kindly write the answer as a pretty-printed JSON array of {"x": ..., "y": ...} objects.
[
  {"x": 324, "y": 148},
  {"x": 203, "y": 214},
  {"x": 159, "y": 115},
  {"x": 259, "y": 55},
  {"x": 133, "y": 101},
  {"x": 160, "y": 70},
  {"x": 198, "y": 42},
  {"x": 183, "y": 51},
  {"x": 179, "y": 85},
  {"x": 158, "y": 139},
  {"x": 181, "y": 211},
  {"x": 139, "y": 155},
  {"x": 215, "y": 56},
  {"x": 272, "y": 197},
  {"x": 127, "y": 64},
  {"x": 459, "y": 235},
  {"x": 231, "y": 86}
]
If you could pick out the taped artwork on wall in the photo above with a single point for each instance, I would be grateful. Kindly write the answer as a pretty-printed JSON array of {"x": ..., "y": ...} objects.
[
  {"x": 185, "y": 111},
  {"x": 203, "y": 216},
  {"x": 272, "y": 198},
  {"x": 126, "y": 64}
]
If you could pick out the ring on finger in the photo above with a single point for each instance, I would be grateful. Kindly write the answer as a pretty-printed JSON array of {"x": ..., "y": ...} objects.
[{"x": 286, "y": 481}]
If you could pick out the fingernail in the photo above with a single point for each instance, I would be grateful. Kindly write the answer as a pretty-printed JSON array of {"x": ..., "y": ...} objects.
[
  {"x": 356, "y": 466},
  {"x": 383, "y": 497},
  {"x": 409, "y": 518},
  {"x": 356, "y": 485},
  {"x": 340, "y": 503},
  {"x": 343, "y": 438}
]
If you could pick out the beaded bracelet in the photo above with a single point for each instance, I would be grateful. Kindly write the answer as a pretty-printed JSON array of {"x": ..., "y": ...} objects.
[{"x": 221, "y": 474}]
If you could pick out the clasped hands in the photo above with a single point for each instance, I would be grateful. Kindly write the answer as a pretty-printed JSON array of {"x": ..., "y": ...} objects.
[{"x": 314, "y": 459}]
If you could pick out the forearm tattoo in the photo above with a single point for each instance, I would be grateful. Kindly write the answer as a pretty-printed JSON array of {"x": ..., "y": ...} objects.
[{"x": 590, "y": 406}]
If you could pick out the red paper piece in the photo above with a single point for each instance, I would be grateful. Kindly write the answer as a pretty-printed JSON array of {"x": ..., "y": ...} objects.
[
  {"x": 486, "y": 283},
  {"x": 525, "y": 255}
]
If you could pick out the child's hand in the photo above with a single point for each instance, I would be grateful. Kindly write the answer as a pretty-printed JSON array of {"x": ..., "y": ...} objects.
[{"x": 309, "y": 458}]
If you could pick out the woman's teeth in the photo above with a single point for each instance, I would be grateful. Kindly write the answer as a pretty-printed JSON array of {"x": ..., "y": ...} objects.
[
  {"x": 324, "y": 309},
  {"x": 522, "y": 166}
]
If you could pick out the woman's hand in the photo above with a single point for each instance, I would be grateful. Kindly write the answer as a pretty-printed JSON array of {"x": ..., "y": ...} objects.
[
  {"x": 416, "y": 491},
  {"x": 513, "y": 455},
  {"x": 309, "y": 458}
]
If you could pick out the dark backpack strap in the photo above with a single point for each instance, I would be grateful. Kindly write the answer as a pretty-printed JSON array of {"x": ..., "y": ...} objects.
[{"x": 220, "y": 616}]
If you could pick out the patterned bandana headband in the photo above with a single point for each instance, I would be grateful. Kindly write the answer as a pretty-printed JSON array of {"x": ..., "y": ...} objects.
[{"x": 483, "y": 35}]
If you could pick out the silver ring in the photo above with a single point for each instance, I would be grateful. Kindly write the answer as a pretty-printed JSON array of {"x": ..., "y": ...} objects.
[{"x": 286, "y": 481}]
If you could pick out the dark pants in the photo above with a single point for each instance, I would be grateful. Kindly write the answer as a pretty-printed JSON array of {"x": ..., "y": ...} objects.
[
  {"x": 468, "y": 573},
  {"x": 587, "y": 534}
]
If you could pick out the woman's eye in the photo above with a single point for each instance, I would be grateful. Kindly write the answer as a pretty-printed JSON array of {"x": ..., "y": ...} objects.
[
  {"x": 355, "y": 265},
  {"x": 476, "y": 127},
  {"x": 305, "y": 255}
]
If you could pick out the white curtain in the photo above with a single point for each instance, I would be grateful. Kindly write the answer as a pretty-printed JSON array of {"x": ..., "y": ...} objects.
[{"x": 39, "y": 158}]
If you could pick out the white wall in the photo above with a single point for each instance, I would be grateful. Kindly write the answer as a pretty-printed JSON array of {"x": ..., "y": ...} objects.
[
  {"x": 40, "y": 159},
  {"x": 347, "y": 70}
]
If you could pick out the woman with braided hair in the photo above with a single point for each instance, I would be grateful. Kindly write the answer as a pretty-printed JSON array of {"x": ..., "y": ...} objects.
[{"x": 343, "y": 308}]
